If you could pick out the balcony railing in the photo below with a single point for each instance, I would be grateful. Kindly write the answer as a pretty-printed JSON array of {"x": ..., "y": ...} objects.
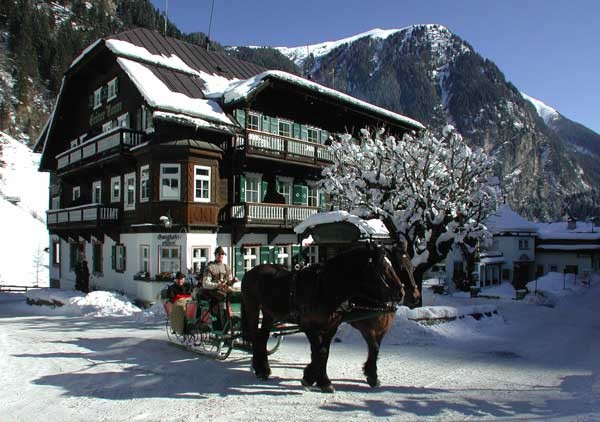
[
  {"x": 116, "y": 139},
  {"x": 284, "y": 147},
  {"x": 271, "y": 213},
  {"x": 90, "y": 214}
]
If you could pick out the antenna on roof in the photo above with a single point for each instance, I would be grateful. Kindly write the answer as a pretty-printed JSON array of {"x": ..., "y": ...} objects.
[
  {"x": 166, "y": 14},
  {"x": 212, "y": 8}
]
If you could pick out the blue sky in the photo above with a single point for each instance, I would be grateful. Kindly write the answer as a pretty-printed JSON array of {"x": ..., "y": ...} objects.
[{"x": 549, "y": 49}]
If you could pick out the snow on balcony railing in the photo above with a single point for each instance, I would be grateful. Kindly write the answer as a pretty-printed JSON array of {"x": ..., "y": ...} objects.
[
  {"x": 118, "y": 137},
  {"x": 89, "y": 213}
]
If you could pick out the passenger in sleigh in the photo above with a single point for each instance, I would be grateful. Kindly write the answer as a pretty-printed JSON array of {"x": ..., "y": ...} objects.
[
  {"x": 217, "y": 281},
  {"x": 179, "y": 294}
]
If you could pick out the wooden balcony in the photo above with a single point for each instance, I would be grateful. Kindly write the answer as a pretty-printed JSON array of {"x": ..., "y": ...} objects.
[
  {"x": 116, "y": 141},
  {"x": 269, "y": 145},
  {"x": 260, "y": 214},
  {"x": 83, "y": 216}
]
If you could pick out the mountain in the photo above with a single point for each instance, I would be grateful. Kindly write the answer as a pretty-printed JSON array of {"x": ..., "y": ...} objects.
[{"x": 428, "y": 73}]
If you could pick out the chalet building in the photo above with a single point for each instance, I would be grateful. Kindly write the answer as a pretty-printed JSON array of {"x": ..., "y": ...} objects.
[{"x": 159, "y": 150}]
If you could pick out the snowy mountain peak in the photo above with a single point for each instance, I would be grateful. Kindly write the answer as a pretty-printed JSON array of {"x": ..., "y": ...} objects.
[{"x": 547, "y": 113}]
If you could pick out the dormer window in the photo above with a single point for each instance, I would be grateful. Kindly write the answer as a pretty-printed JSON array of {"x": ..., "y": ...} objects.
[
  {"x": 97, "y": 98},
  {"x": 113, "y": 87}
]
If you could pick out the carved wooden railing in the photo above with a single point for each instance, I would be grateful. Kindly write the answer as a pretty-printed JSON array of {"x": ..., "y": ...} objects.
[
  {"x": 89, "y": 214},
  {"x": 252, "y": 212}
]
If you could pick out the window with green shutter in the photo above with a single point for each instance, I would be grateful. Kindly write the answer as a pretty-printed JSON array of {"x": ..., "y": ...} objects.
[
  {"x": 296, "y": 257},
  {"x": 296, "y": 130},
  {"x": 265, "y": 255},
  {"x": 266, "y": 123},
  {"x": 240, "y": 116},
  {"x": 303, "y": 132},
  {"x": 241, "y": 188},
  {"x": 274, "y": 125},
  {"x": 263, "y": 189},
  {"x": 322, "y": 201},
  {"x": 324, "y": 136},
  {"x": 300, "y": 195},
  {"x": 239, "y": 263}
]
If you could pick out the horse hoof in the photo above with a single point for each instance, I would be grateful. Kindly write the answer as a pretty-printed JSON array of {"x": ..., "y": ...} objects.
[
  {"x": 262, "y": 377},
  {"x": 327, "y": 389},
  {"x": 306, "y": 383},
  {"x": 373, "y": 382}
]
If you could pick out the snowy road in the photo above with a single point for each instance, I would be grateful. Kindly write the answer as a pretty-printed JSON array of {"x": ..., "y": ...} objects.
[{"x": 527, "y": 363}]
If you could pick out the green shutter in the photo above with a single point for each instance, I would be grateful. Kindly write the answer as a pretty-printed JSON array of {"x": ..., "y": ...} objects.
[
  {"x": 274, "y": 126},
  {"x": 265, "y": 255},
  {"x": 239, "y": 263},
  {"x": 304, "y": 132},
  {"x": 300, "y": 195},
  {"x": 242, "y": 189},
  {"x": 322, "y": 200},
  {"x": 104, "y": 93},
  {"x": 266, "y": 123},
  {"x": 241, "y": 117},
  {"x": 124, "y": 258},
  {"x": 263, "y": 189},
  {"x": 295, "y": 255},
  {"x": 296, "y": 130},
  {"x": 324, "y": 136},
  {"x": 116, "y": 86},
  {"x": 113, "y": 257}
]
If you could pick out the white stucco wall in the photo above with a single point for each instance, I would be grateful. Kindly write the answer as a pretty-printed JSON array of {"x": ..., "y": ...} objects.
[{"x": 547, "y": 259}]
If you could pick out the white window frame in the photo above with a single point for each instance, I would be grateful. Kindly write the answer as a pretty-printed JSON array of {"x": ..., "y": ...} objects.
[
  {"x": 115, "y": 181},
  {"x": 145, "y": 183},
  {"x": 108, "y": 126},
  {"x": 312, "y": 189},
  {"x": 256, "y": 116},
  {"x": 120, "y": 258},
  {"x": 76, "y": 193},
  {"x": 313, "y": 254},
  {"x": 200, "y": 260},
  {"x": 169, "y": 263},
  {"x": 97, "y": 187},
  {"x": 111, "y": 89},
  {"x": 55, "y": 204},
  {"x": 171, "y": 197},
  {"x": 523, "y": 244},
  {"x": 250, "y": 255},
  {"x": 283, "y": 255},
  {"x": 56, "y": 252},
  {"x": 253, "y": 177},
  {"x": 129, "y": 191},
  {"x": 289, "y": 183},
  {"x": 317, "y": 140},
  {"x": 289, "y": 125},
  {"x": 123, "y": 120},
  {"x": 201, "y": 178},
  {"x": 97, "y": 98},
  {"x": 145, "y": 258}
]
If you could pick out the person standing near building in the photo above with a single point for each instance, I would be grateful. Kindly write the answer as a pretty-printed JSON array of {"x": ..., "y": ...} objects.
[{"x": 82, "y": 275}]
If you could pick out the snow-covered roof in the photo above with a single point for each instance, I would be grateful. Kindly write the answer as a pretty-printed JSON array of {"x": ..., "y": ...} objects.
[
  {"x": 507, "y": 220},
  {"x": 561, "y": 247},
  {"x": 560, "y": 230},
  {"x": 373, "y": 227},
  {"x": 245, "y": 88},
  {"x": 492, "y": 260}
]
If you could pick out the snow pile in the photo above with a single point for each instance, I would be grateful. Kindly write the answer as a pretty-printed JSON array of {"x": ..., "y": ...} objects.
[
  {"x": 372, "y": 227},
  {"x": 94, "y": 304},
  {"x": 444, "y": 312},
  {"x": 502, "y": 291}
]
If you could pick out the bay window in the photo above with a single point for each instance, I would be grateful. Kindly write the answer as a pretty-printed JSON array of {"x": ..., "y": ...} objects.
[
  {"x": 201, "y": 184},
  {"x": 170, "y": 175}
]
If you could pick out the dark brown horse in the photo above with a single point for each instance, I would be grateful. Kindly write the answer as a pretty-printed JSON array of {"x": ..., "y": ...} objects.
[
  {"x": 313, "y": 298},
  {"x": 376, "y": 328}
]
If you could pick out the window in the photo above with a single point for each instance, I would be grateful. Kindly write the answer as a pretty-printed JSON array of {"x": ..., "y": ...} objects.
[
  {"x": 119, "y": 258},
  {"x": 282, "y": 256},
  {"x": 56, "y": 252},
  {"x": 75, "y": 250},
  {"x": 523, "y": 244},
  {"x": 313, "y": 196},
  {"x": 169, "y": 181},
  {"x": 145, "y": 258},
  {"x": 201, "y": 184},
  {"x": 146, "y": 119},
  {"x": 572, "y": 269},
  {"x": 55, "y": 205},
  {"x": 312, "y": 254},
  {"x": 169, "y": 259},
  {"x": 115, "y": 189},
  {"x": 250, "y": 255},
  {"x": 97, "y": 98},
  {"x": 505, "y": 274},
  {"x": 253, "y": 121},
  {"x": 199, "y": 259},
  {"x": 76, "y": 193},
  {"x": 312, "y": 135},
  {"x": 97, "y": 192},
  {"x": 112, "y": 89},
  {"x": 97, "y": 264},
  {"x": 129, "y": 198},
  {"x": 285, "y": 129},
  {"x": 123, "y": 120},
  {"x": 285, "y": 188},
  {"x": 109, "y": 125},
  {"x": 144, "y": 183},
  {"x": 253, "y": 188}
]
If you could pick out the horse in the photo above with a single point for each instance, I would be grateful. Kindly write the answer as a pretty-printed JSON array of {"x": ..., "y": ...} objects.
[
  {"x": 313, "y": 298},
  {"x": 374, "y": 329}
]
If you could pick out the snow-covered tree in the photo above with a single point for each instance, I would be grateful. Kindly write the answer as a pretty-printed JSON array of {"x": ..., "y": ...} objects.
[{"x": 430, "y": 193}]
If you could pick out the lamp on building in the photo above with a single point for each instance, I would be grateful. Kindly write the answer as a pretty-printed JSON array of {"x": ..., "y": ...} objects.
[{"x": 166, "y": 221}]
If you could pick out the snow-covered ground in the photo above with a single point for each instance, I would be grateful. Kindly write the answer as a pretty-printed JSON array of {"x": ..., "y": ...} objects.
[
  {"x": 526, "y": 362},
  {"x": 23, "y": 260}
]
